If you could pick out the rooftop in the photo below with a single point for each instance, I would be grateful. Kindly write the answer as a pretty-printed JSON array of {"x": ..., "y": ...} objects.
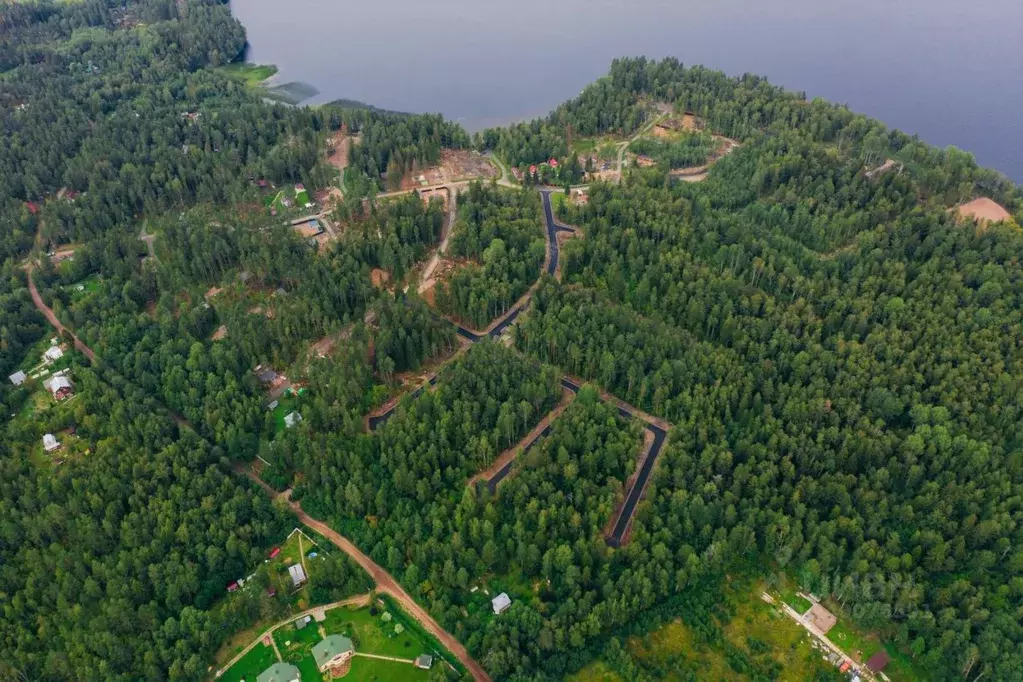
[
  {"x": 501, "y": 602},
  {"x": 280, "y": 672},
  {"x": 297, "y": 574},
  {"x": 328, "y": 649}
]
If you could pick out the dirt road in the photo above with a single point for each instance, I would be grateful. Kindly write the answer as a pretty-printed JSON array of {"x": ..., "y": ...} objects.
[
  {"x": 52, "y": 318},
  {"x": 385, "y": 583},
  {"x": 427, "y": 278},
  {"x": 79, "y": 344}
]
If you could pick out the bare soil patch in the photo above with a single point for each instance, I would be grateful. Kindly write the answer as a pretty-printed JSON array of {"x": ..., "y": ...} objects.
[
  {"x": 379, "y": 277},
  {"x": 220, "y": 334},
  {"x": 455, "y": 164},
  {"x": 307, "y": 231},
  {"x": 62, "y": 255},
  {"x": 338, "y": 148},
  {"x": 983, "y": 210},
  {"x": 662, "y": 132}
]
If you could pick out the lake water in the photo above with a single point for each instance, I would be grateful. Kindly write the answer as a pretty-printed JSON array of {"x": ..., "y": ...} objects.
[{"x": 948, "y": 70}]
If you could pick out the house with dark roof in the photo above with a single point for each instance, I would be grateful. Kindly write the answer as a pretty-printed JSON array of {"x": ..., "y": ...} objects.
[{"x": 424, "y": 661}]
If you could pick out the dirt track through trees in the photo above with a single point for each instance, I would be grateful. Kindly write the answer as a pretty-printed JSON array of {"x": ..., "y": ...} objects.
[
  {"x": 51, "y": 317},
  {"x": 385, "y": 582}
]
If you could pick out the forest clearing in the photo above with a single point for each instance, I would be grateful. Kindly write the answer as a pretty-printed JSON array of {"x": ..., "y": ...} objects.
[{"x": 983, "y": 210}]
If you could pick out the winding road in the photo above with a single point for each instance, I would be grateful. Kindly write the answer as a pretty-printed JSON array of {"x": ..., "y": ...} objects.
[
  {"x": 51, "y": 317},
  {"x": 426, "y": 281}
]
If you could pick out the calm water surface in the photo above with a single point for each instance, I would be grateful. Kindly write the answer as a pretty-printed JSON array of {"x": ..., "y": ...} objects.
[{"x": 948, "y": 70}]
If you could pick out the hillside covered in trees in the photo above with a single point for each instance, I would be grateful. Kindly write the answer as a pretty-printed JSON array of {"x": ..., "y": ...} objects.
[{"x": 838, "y": 353}]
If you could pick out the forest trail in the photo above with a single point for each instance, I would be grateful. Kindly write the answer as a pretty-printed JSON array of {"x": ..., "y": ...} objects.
[
  {"x": 148, "y": 239},
  {"x": 51, "y": 317},
  {"x": 357, "y": 601},
  {"x": 504, "y": 180},
  {"x": 427, "y": 278},
  {"x": 381, "y": 657},
  {"x": 385, "y": 582},
  {"x": 623, "y": 146}
]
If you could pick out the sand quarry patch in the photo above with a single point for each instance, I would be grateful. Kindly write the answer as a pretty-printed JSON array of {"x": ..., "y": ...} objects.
[
  {"x": 338, "y": 147},
  {"x": 455, "y": 164},
  {"x": 983, "y": 210}
]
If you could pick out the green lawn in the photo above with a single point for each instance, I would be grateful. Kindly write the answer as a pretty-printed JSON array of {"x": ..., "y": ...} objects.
[
  {"x": 601, "y": 148},
  {"x": 286, "y": 404},
  {"x": 372, "y": 635},
  {"x": 252, "y": 74},
  {"x": 788, "y": 591},
  {"x": 308, "y": 670},
  {"x": 375, "y": 670},
  {"x": 296, "y": 646},
  {"x": 248, "y": 668}
]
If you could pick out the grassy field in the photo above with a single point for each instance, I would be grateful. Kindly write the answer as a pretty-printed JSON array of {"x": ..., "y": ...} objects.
[
  {"x": 598, "y": 671},
  {"x": 757, "y": 642},
  {"x": 374, "y": 635},
  {"x": 375, "y": 670},
  {"x": 256, "y": 661},
  {"x": 89, "y": 285},
  {"x": 252, "y": 74}
]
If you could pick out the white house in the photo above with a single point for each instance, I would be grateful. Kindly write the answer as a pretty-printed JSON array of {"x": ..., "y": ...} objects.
[
  {"x": 292, "y": 419},
  {"x": 52, "y": 354},
  {"x": 297, "y": 574},
  {"x": 501, "y": 603},
  {"x": 50, "y": 442},
  {"x": 60, "y": 386},
  {"x": 18, "y": 378}
]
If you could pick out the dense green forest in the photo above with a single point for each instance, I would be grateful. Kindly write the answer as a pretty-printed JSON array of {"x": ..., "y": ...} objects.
[
  {"x": 839, "y": 356},
  {"x": 500, "y": 233},
  {"x": 111, "y": 565}
]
